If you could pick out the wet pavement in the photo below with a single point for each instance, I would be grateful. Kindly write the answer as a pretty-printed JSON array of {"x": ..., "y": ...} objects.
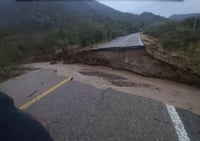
[
  {"x": 81, "y": 112},
  {"x": 28, "y": 86}
]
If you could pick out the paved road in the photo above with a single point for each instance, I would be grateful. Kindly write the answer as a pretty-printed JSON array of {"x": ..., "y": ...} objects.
[
  {"x": 28, "y": 86},
  {"x": 131, "y": 41},
  {"x": 80, "y": 112}
]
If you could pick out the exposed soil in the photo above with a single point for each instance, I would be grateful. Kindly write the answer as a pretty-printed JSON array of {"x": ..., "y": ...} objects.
[{"x": 134, "y": 60}]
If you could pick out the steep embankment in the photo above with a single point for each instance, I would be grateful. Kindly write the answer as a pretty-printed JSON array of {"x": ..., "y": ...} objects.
[
  {"x": 137, "y": 61},
  {"x": 147, "y": 61}
]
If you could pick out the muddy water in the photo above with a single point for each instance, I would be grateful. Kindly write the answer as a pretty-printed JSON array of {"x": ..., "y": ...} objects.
[{"x": 177, "y": 94}]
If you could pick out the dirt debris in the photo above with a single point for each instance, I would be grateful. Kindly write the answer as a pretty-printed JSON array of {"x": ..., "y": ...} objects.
[
  {"x": 169, "y": 92},
  {"x": 117, "y": 80}
]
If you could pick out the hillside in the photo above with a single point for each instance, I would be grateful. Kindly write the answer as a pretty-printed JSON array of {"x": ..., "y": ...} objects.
[
  {"x": 43, "y": 28},
  {"x": 31, "y": 16},
  {"x": 73, "y": 22},
  {"x": 180, "y": 40},
  {"x": 180, "y": 17}
]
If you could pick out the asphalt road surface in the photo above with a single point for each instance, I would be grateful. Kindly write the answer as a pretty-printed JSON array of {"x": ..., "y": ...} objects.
[
  {"x": 26, "y": 87},
  {"x": 131, "y": 40},
  {"x": 80, "y": 112}
]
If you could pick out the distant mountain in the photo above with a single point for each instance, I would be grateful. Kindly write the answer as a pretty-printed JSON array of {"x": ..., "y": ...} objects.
[
  {"x": 44, "y": 15},
  {"x": 149, "y": 18},
  {"x": 180, "y": 17}
]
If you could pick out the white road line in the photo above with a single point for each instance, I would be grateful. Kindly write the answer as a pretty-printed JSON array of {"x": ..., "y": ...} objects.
[
  {"x": 178, "y": 124},
  {"x": 140, "y": 40}
]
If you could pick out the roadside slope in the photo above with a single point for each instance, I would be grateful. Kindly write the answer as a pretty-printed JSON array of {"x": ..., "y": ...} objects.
[{"x": 139, "y": 60}]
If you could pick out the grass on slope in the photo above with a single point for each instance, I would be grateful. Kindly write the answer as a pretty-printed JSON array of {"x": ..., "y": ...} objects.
[{"x": 180, "y": 38}]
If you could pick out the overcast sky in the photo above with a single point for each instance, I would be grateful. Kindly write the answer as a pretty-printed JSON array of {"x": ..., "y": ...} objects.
[{"x": 164, "y": 8}]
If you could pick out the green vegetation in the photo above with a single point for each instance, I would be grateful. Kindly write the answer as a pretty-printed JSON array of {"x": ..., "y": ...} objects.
[
  {"x": 13, "y": 52},
  {"x": 17, "y": 48},
  {"x": 180, "y": 38},
  {"x": 40, "y": 30}
]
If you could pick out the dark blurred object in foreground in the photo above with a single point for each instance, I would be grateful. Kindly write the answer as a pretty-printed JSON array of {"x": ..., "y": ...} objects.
[{"x": 16, "y": 125}]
